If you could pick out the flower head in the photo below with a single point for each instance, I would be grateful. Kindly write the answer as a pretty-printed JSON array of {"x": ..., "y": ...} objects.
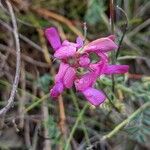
[{"x": 72, "y": 58}]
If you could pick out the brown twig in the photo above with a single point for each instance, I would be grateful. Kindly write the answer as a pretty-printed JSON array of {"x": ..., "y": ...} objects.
[
  {"x": 62, "y": 117},
  {"x": 47, "y": 143},
  {"x": 18, "y": 60},
  {"x": 25, "y": 57},
  {"x": 49, "y": 14},
  {"x": 22, "y": 37},
  {"x": 27, "y": 134},
  {"x": 22, "y": 97}
]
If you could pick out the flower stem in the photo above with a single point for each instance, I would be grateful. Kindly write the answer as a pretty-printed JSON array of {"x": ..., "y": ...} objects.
[{"x": 111, "y": 5}]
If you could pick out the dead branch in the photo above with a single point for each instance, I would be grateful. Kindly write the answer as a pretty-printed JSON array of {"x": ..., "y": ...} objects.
[{"x": 18, "y": 61}]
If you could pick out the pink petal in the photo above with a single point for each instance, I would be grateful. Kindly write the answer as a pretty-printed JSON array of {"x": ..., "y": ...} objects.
[
  {"x": 57, "y": 89},
  {"x": 101, "y": 45},
  {"x": 116, "y": 69},
  {"x": 69, "y": 77},
  {"x": 65, "y": 51},
  {"x": 99, "y": 68},
  {"x": 53, "y": 37},
  {"x": 94, "y": 96},
  {"x": 62, "y": 70},
  {"x": 85, "y": 81},
  {"x": 79, "y": 41},
  {"x": 84, "y": 61},
  {"x": 112, "y": 37},
  {"x": 67, "y": 43}
]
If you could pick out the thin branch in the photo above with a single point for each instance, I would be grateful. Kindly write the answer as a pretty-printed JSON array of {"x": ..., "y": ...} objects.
[
  {"x": 139, "y": 28},
  {"x": 124, "y": 32},
  {"x": 75, "y": 126},
  {"x": 22, "y": 37},
  {"x": 49, "y": 14},
  {"x": 24, "y": 57},
  {"x": 112, "y": 21},
  {"x": 18, "y": 61},
  {"x": 126, "y": 121}
]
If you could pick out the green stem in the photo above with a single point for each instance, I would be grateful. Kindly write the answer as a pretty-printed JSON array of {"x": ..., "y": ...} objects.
[
  {"x": 126, "y": 121},
  {"x": 36, "y": 103},
  {"x": 82, "y": 121},
  {"x": 112, "y": 11},
  {"x": 75, "y": 126}
]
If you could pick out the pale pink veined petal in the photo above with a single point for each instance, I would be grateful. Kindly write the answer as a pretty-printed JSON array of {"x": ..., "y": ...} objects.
[
  {"x": 69, "y": 77},
  {"x": 65, "y": 52},
  {"x": 85, "y": 81},
  {"x": 53, "y": 37},
  {"x": 94, "y": 96},
  {"x": 84, "y": 61},
  {"x": 116, "y": 69},
  {"x": 101, "y": 45},
  {"x": 57, "y": 89},
  {"x": 61, "y": 72}
]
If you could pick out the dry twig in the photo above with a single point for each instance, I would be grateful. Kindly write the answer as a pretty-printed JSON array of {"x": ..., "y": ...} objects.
[
  {"x": 18, "y": 60},
  {"x": 49, "y": 14}
]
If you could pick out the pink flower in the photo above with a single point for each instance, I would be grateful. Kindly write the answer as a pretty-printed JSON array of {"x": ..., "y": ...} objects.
[
  {"x": 64, "y": 79},
  {"x": 94, "y": 96},
  {"x": 84, "y": 60},
  {"x": 53, "y": 38},
  {"x": 101, "y": 45},
  {"x": 76, "y": 55}
]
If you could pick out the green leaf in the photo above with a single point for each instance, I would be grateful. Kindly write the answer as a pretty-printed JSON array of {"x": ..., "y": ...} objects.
[
  {"x": 53, "y": 131},
  {"x": 138, "y": 129},
  {"x": 44, "y": 82},
  {"x": 93, "y": 13}
]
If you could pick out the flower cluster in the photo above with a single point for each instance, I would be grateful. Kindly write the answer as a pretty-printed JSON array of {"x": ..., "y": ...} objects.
[{"x": 76, "y": 55}]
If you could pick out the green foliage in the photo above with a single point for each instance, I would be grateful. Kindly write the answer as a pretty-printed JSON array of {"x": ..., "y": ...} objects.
[
  {"x": 53, "y": 131},
  {"x": 138, "y": 129},
  {"x": 44, "y": 82},
  {"x": 3, "y": 16},
  {"x": 141, "y": 90},
  {"x": 93, "y": 12}
]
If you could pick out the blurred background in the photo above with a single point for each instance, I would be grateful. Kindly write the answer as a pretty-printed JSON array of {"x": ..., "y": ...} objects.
[{"x": 36, "y": 121}]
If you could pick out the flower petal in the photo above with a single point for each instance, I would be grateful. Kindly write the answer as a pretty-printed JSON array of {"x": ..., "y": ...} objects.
[
  {"x": 69, "y": 77},
  {"x": 57, "y": 89},
  {"x": 79, "y": 41},
  {"x": 94, "y": 96},
  {"x": 116, "y": 69},
  {"x": 112, "y": 37},
  {"x": 67, "y": 43},
  {"x": 101, "y": 45},
  {"x": 85, "y": 81},
  {"x": 61, "y": 72},
  {"x": 65, "y": 52},
  {"x": 99, "y": 68},
  {"x": 84, "y": 61},
  {"x": 53, "y": 37}
]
